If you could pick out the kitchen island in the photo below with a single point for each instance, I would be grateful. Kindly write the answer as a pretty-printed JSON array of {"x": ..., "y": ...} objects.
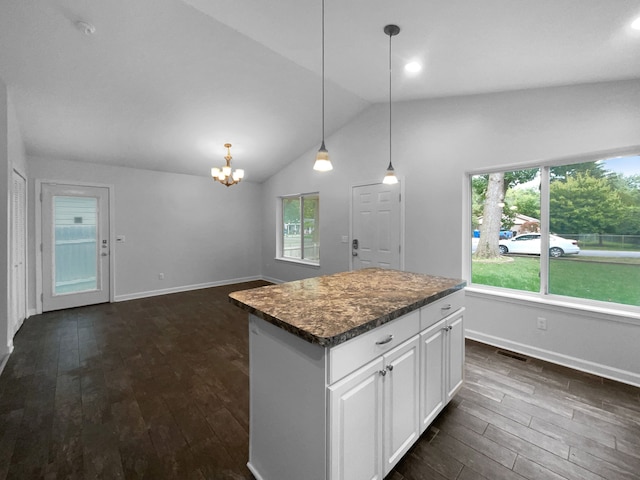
[{"x": 347, "y": 370}]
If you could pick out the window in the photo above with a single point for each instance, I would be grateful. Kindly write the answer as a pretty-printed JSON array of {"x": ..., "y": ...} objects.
[
  {"x": 299, "y": 238},
  {"x": 571, "y": 230}
]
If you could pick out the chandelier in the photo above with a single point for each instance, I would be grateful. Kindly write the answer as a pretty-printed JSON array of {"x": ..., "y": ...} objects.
[{"x": 225, "y": 175}]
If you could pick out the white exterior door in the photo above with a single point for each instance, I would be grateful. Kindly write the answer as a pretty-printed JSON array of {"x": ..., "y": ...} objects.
[
  {"x": 18, "y": 283},
  {"x": 376, "y": 235},
  {"x": 75, "y": 246},
  {"x": 355, "y": 447}
]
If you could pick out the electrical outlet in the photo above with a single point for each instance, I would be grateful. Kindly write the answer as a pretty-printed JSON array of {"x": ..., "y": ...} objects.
[
  {"x": 161, "y": 276},
  {"x": 542, "y": 323}
]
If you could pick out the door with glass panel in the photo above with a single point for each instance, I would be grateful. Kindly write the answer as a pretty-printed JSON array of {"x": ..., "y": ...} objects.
[{"x": 75, "y": 246}]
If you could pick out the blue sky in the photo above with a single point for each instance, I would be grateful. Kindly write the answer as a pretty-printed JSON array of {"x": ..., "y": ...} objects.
[{"x": 625, "y": 165}]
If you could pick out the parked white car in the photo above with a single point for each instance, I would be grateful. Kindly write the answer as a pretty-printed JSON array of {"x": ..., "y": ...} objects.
[{"x": 529, "y": 243}]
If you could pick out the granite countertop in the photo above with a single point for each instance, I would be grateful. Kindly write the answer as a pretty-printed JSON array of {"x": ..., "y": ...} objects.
[{"x": 331, "y": 309}]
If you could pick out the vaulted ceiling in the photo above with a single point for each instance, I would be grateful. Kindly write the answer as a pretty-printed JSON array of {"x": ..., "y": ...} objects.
[{"x": 163, "y": 84}]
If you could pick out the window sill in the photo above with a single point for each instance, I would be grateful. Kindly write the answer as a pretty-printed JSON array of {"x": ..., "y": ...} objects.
[
  {"x": 306, "y": 263},
  {"x": 625, "y": 314}
]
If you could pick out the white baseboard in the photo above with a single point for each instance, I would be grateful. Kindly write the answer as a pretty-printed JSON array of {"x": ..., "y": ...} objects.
[
  {"x": 184, "y": 288},
  {"x": 4, "y": 356},
  {"x": 605, "y": 371},
  {"x": 254, "y": 471},
  {"x": 272, "y": 280}
]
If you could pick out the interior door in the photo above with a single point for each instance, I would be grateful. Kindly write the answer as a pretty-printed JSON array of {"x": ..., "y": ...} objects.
[
  {"x": 376, "y": 226},
  {"x": 18, "y": 252},
  {"x": 75, "y": 246}
]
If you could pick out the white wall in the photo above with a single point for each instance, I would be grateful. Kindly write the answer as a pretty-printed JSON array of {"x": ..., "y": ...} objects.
[
  {"x": 11, "y": 157},
  {"x": 6, "y": 342},
  {"x": 435, "y": 143},
  {"x": 197, "y": 232}
]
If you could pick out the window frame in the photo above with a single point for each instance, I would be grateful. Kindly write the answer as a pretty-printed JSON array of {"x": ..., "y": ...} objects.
[
  {"x": 542, "y": 296},
  {"x": 280, "y": 229}
]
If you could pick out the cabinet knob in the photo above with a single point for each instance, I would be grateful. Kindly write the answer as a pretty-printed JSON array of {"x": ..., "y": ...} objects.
[
  {"x": 389, "y": 367},
  {"x": 382, "y": 372}
]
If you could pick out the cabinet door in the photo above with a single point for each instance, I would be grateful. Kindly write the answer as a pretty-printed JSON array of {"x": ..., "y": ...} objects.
[
  {"x": 401, "y": 401},
  {"x": 355, "y": 446},
  {"x": 433, "y": 359},
  {"x": 455, "y": 346}
]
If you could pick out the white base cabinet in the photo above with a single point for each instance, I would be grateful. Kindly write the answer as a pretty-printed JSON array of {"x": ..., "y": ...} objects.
[
  {"x": 442, "y": 365},
  {"x": 374, "y": 414},
  {"x": 352, "y": 411}
]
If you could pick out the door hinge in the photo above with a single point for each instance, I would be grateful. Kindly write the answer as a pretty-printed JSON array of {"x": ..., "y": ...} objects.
[
  {"x": 41, "y": 197},
  {"x": 399, "y": 197},
  {"x": 41, "y": 247}
]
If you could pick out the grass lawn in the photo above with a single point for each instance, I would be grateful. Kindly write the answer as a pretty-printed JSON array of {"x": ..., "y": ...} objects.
[{"x": 595, "y": 280}]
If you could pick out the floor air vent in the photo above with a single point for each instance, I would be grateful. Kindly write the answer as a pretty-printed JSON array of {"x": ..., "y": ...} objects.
[{"x": 512, "y": 355}]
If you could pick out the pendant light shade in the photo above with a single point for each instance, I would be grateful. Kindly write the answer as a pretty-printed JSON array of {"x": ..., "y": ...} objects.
[
  {"x": 322, "y": 163},
  {"x": 390, "y": 177}
]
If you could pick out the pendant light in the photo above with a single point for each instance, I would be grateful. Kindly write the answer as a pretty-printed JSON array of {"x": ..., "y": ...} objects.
[
  {"x": 322, "y": 164},
  {"x": 390, "y": 177}
]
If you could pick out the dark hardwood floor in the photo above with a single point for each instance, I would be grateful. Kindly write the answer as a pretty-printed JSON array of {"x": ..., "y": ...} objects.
[{"x": 158, "y": 388}]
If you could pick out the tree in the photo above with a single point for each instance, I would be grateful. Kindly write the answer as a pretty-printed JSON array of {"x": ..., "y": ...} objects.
[
  {"x": 563, "y": 172},
  {"x": 491, "y": 218},
  {"x": 584, "y": 204},
  {"x": 526, "y": 201},
  {"x": 492, "y": 189}
]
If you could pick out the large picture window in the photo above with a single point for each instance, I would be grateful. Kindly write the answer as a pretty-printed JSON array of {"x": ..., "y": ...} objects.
[
  {"x": 571, "y": 230},
  {"x": 300, "y": 228}
]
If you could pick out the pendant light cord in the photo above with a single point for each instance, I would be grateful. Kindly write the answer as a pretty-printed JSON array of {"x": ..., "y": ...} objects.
[
  {"x": 323, "y": 72},
  {"x": 390, "y": 166}
]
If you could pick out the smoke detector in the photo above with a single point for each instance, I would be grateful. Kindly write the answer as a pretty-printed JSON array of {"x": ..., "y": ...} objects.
[{"x": 85, "y": 27}]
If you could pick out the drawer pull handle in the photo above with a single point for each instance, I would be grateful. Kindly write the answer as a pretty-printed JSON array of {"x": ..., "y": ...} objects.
[
  {"x": 447, "y": 307},
  {"x": 386, "y": 340}
]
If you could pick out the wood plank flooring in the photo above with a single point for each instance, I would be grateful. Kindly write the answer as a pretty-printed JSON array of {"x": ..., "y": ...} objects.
[{"x": 158, "y": 388}]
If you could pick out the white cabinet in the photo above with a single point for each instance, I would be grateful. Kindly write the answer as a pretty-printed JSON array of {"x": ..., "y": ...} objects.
[
  {"x": 401, "y": 426},
  {"x": 432, "y": 343},
  {"x": 374, "y": 415},
  {"x": 355, "y": 405},
  {"x": 454, "y": 357},
  {"x": 442, "y": 365},
  {"x": 350, "y": 412}
]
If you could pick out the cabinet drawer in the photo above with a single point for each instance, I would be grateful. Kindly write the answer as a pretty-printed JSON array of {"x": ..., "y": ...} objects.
[
  {"x": 430, "y": 314},
  {"x": 354, "y": 353}
]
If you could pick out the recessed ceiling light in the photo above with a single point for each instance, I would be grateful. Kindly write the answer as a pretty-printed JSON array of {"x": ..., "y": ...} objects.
[
  {"x": 636, "y": 24},
  {"x": 413, "y": 67}
]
